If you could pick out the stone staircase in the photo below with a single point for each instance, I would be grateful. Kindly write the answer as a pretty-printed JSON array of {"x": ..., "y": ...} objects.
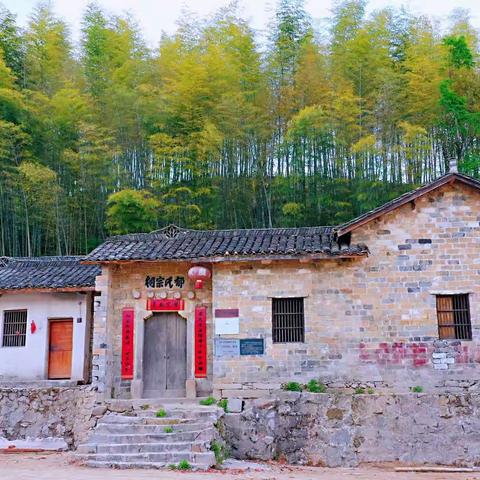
[{"x": 138, "y": 438}]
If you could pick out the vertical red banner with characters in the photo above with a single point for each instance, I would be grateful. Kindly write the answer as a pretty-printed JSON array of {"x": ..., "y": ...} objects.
[
  {"x": 128, "y": 322},
  {"x": 200, "y": 342}
]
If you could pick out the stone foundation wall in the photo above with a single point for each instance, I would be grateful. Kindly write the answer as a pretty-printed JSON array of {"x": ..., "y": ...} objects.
[
  {"x": 345, "y": 430},
  {"x": 39, "y": 413}
]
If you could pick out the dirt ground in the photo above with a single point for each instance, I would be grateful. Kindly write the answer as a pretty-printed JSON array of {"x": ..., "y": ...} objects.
[{"x": 60, "y": 467}]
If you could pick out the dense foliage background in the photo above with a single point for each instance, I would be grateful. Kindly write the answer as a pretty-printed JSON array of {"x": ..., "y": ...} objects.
[{"x": 217, "y": 128}]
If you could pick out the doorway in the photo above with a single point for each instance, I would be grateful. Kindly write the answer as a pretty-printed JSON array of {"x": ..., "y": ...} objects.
[
  {"x": 60, "y": 349},
  {"x": 164, "y": 356}
]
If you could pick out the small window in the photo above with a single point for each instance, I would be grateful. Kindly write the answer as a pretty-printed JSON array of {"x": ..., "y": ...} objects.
[
  {"x": 453, "y": 313},
  {"x": 14, "y": 328},
  {"x": 288, "y": 321}
]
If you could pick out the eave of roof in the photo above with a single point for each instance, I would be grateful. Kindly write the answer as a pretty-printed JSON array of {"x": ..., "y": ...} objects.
[
  {"x": 79, "y": 289},
  {"x": 237, "y": 258},
  {"x": 404, "y": 199},
  {"x": 46, "y": 274}
]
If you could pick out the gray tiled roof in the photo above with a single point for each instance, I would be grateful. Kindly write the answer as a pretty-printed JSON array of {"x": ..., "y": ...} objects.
[
  {"x": 46, "y": 272},
  {"x": 173, "y": 243}
]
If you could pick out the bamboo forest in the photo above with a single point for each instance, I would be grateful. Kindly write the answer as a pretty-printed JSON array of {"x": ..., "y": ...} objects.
[{"x": 218, "y": 126}]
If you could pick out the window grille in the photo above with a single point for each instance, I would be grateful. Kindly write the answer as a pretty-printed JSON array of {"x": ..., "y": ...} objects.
[
  {"x": 288, "y": 320},
  {"x": 14, "y": 328},
  {"x": 453, "y": 313}
]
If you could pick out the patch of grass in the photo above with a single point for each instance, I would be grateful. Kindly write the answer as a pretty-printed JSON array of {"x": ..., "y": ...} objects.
[
  {"x": 207, "y": 401},
  {"x": 313, "y": 386},
  {"x": 223, "y": 403},
  {"x": 220, "y": 451},
  {"x": 184, "y": 465},
  {"x": 172, "y": 466},
  {"x": 417, "y": 389},
  {"x": 370, "y": 391},
  {"x": 161, "y": 413},
  {"x": 168, "y": 429},
  {"x": 145, "y": 407},
  {"x": 292, "y": 387},
  {"x": 359, "y": 390}
]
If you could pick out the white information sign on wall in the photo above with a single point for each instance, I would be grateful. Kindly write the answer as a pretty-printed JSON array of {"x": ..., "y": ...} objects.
[{"x": 227, "y": 326}]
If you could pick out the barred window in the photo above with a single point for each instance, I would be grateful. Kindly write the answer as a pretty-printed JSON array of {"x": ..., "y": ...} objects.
[
  {"x": 14, "y": 328},
  {"x": 288, "y": 321},
  {"x": 453, "y": 313}
]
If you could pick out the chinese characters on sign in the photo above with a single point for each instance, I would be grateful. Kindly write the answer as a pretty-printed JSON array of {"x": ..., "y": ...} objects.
[
  {"x": 164, "y": 282},
  {"x": 200, "y": 342},
  {"x": 165, "y": 304},
  {"x": 128, "y": 318},
  {"x": 252, "y": 346},
  {"x": 227, "y": 347}
]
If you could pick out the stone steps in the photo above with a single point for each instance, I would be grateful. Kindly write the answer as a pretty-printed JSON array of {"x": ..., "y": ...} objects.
[
  {"x": 149, "y": 429},
  {"x": 136, "y": 438},
  {"x": 153, "y": 457},
  {"x": 149, "y": 438},
  {"x": 159, "y": 447},
  {"x": 145, "y": 465}
]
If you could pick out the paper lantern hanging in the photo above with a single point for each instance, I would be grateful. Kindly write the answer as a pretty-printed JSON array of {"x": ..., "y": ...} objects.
[{"x": 199, "y": 274}]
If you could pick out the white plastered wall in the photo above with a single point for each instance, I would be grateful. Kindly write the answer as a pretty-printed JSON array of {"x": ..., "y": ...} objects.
[{"x": 31, "y": 361}]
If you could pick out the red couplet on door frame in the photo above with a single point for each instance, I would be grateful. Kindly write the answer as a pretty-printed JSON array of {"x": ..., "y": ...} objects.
[
  {"x": 200, "y": 341},
  {"x": 128, "y": 323}
]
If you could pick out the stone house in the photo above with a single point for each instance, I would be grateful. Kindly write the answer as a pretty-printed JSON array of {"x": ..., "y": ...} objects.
[
  {"x": 46, "y": 307},
  {"x": 388, "y": 300}
]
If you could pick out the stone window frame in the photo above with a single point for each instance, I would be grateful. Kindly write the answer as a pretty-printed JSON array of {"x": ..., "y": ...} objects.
[{"x": 295, "y": 338}]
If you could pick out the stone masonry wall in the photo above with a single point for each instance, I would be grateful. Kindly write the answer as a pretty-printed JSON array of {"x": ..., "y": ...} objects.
[
  {"x": 124, "y": 286},
  {"x": 368, "y": 321},
  {"x": 38, "y": 413},
  {"x": 345, "y": 430}
]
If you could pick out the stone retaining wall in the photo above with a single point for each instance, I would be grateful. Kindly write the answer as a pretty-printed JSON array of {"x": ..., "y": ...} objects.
[
  {"x": 345, "y": 430},
  {"x": 53, "y": 412}
]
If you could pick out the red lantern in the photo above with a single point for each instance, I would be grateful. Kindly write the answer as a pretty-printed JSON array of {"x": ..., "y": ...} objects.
[{"x": 199, "y": 274}]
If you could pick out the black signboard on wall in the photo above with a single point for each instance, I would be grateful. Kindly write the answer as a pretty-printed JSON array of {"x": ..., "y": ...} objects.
[{"x": 252, "y": 346}]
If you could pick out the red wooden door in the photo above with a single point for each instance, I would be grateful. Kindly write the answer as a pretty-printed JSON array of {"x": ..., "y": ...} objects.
[{"x": 60, "y": 349}]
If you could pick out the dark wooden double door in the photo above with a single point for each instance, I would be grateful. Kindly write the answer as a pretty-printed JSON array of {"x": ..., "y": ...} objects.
[{"x": 164, "y": 356}]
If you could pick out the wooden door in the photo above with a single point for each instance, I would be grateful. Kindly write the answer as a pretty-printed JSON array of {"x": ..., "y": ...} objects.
[
  {"x": 164, "y": 356},
  {"x": 60, "y": 349}
]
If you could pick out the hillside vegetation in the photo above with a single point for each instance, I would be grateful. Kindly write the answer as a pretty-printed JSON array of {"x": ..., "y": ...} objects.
[{"x": 219, "y": 127}]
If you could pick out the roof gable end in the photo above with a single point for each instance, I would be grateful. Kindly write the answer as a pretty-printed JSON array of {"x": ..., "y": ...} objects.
[{"x": 406, "y": 198}]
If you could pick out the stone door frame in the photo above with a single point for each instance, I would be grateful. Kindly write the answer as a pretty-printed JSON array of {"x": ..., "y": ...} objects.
[{"x": 140, "y": 317}]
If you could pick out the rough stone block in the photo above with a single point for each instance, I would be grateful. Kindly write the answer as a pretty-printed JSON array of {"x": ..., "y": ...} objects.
[
  {"x": 244, "y": 393},
  {"x": 99, "y": 410},
  {"x": 267, "y": 386},
  {"x": 235, "y": 405},
  {"x": 191, "y": 388}
]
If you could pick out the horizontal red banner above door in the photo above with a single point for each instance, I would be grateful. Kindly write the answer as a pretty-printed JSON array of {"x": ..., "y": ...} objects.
[{"x": 165, "y": 304}]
